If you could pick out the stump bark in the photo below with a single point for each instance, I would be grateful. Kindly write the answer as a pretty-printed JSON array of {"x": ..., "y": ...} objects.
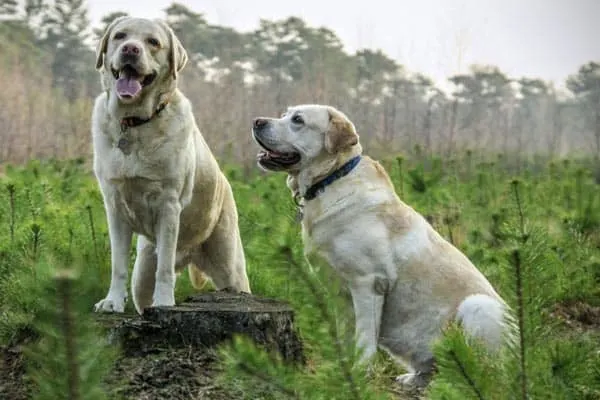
[{"x": 210, "y": 319}]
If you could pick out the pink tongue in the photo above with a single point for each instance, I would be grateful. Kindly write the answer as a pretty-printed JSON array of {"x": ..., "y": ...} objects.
[{"x": 128, "y": 87}]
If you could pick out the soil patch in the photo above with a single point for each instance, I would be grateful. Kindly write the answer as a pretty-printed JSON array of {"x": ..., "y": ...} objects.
[
  {"x": 172, "y": 374},
  {"x": 578, "y": 315},
  {"x": 12, "y": 371}
]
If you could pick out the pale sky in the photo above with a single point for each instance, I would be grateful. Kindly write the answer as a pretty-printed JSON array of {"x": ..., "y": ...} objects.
[{"x": 548, "y": 39}]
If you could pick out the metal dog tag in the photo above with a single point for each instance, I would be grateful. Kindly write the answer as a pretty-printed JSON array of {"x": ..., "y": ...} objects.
[{"x": 123, "y": 145}]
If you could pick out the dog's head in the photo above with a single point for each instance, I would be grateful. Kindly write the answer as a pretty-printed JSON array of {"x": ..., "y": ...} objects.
[
  {"x": 304, "y": 134},
  {"x": 138, "y": 56}
]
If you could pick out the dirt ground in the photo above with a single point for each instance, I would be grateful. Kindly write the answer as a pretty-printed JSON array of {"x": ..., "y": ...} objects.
[
  {"x": 175, "y": 374},
  {"x": 578, "y": 315},
  {"x": 12, "y": 374},
  {"x": 172, "y": 374}
]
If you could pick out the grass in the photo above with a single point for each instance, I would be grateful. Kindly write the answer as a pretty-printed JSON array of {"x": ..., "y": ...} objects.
[{"x": 535, "y": 234}]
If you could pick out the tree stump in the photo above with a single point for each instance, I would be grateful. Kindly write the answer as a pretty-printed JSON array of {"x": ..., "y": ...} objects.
[{"x": 209, "y": 319}]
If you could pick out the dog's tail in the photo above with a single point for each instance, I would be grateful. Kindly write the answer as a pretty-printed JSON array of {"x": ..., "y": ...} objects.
[
  {"x": 487, "y": 319},
  {"x": 197, "y": 277}
]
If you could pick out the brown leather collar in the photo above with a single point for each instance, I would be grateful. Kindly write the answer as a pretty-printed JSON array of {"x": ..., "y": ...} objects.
[{"x": 130, "y": 122}]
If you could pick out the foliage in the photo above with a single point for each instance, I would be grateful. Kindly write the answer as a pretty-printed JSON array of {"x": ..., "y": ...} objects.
[
  {"x": 51, "y": 218},
  {"x": 71, "y": 357},
  {"x": 528, "y": 248}
]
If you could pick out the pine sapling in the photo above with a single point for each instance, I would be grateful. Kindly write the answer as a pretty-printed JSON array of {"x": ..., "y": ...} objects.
[
  {"x": 93, "y": 232},
  {"x": 64, "y": 285}
]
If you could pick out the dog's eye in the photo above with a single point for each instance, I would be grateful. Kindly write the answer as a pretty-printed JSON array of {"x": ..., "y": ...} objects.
[
  {"x": 297, "y": 119},
  {"x": 119, "y": 35},
  {"x": 153, "y": 42}
]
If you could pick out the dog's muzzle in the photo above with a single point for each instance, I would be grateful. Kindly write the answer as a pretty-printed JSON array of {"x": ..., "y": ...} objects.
[{"x": 269, "y": 158}]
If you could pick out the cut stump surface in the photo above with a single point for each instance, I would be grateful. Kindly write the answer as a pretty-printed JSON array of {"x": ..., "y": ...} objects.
[{"x": 207, "y": 320}]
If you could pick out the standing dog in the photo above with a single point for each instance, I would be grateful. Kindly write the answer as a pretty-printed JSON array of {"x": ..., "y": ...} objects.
[
  {"x": 157, "y": 175},
  {"x": 406, "y": 281}
]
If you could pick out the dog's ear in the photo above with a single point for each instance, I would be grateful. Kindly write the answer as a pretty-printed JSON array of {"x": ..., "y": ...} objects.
[
  {"x": 103, "y": 42},
  {"x": 178, "y": 56},
  {"x": 341, "y": 134}
]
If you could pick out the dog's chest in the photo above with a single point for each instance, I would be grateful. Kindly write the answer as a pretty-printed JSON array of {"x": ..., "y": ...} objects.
[
  {"x": 127, "y": 156},
  {"x": 151, "y": 160},
  {"x": 332, "y": 238},
  {"x": 138, "y": 200}
]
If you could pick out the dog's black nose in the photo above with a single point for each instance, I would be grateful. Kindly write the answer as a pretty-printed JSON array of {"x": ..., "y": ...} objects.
[
  {"x": 130, "y": 50},
  {"x": 259, "y": 123}
]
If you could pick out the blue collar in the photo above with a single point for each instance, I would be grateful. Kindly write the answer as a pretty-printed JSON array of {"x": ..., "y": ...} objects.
[{"x": 319, "y": 187}]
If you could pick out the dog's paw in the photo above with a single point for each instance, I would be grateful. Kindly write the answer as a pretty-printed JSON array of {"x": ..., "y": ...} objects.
[
  {"x": 112, "y": 303},
  {"x": 407, "y": 380},
  {"x": 163, "y": 301},
  {"x": 412, "y": 380}
]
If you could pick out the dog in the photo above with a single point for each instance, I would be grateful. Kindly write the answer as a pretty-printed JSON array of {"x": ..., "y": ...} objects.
[
  {"x": 157, "y": 175},
  {"x": 407, "y": 282}
]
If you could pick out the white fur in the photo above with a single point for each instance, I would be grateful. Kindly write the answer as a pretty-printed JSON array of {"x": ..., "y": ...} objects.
[{"x": 483, "y": 317}]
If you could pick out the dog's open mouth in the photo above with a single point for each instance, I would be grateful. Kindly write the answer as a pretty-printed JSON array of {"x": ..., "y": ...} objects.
[
  {"x": 283, "y": 159},
  {"x": 276, "y": 159},
  {"x": 130, "y": 82}
]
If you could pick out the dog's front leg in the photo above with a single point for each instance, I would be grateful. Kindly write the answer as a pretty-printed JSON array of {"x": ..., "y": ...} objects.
[
  {"x": 166, "y": 248},
  {"x": 368, "y": 306},
  {"x": 120, "y": 235}
]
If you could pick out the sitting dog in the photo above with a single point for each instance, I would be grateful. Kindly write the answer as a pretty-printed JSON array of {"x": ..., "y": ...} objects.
[
  {"x": 157, "y": 176},
  {"x": 406, "y": 281}
]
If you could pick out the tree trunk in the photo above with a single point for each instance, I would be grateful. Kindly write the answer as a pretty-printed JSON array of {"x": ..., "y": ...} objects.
[
  {"x": 597, "y": 136},
  {"x": 207, "y": 320},
  {"x": 451, "y": 131}
]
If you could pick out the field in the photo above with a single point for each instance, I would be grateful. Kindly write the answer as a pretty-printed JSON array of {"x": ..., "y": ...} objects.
[{"x": 533, "y": 228}]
